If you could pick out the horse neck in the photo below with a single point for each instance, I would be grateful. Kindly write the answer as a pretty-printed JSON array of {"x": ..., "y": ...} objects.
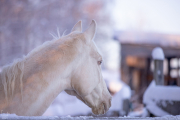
[
  {"x": 10, "y": 76},
  {"x": 43, "y": 79}
]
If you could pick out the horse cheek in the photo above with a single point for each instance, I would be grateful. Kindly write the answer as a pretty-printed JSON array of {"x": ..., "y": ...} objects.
[{"x": 84, "y": 85}]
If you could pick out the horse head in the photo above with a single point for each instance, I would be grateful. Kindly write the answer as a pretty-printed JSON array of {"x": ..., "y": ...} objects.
[{"x": 87, "y": 82}]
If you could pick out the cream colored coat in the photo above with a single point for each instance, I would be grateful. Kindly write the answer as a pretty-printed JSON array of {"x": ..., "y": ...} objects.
[{"x": 72, "y": 63}]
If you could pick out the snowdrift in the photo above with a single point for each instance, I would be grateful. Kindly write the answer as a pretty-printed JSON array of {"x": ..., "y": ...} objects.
[{"x": 158, "y": 98}]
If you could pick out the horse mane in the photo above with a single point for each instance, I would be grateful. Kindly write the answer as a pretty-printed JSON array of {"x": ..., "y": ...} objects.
[
  {"x": 9, "y": 74},
  {"x": 15, "y": 70}
]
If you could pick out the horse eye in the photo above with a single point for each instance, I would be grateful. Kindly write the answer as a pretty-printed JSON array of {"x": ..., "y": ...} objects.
[{"x": 99, "y": 62}]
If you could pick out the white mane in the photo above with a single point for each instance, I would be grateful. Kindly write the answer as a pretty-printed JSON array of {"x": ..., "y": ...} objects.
[{"x": 10, "y": 72}]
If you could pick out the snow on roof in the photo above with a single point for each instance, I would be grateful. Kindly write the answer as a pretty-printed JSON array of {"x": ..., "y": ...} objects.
[
  {"x": 135, "y": 37},
  {"x": 156, "y": 93},
  {"x": 158, "y": 54}
]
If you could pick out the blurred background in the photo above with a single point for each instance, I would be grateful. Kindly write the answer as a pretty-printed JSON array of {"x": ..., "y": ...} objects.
[{"x": 127, "y": 32}]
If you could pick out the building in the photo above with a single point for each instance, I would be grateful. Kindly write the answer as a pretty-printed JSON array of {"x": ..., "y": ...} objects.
[{"x": 136, "y": 59}]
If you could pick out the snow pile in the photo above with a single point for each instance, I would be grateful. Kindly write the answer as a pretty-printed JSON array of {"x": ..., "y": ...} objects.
[
  {"x": 155, "y": 93},
  {"x": 158, "y": 54},
  {"x": 117, "y": 99},
  {"x": 141, "y": 113}
]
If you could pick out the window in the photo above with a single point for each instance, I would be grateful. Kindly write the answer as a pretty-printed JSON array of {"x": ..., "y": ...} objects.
[
  {"x": 165, "y": 66},
  {"x": 175, "y": 67}
]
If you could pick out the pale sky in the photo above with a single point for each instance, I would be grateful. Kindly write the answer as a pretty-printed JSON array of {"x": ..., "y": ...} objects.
[{"x": 162, "y": 16}]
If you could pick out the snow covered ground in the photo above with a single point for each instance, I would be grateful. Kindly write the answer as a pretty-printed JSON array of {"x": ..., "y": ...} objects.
[{"x": 14, "y": 117}]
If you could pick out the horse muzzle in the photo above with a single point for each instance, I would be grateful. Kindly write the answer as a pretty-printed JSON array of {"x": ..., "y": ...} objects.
[{"x": 102, "y": 108}]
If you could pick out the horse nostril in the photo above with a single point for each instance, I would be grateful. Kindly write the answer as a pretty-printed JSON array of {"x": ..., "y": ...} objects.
[
  {"x": 110, "y": 98},
  {"x": 110, "y": 102},
  {"x": 105, "y": 107}
]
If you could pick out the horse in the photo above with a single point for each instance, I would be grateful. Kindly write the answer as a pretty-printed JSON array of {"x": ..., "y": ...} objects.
[{"x": 71, "y": 63}]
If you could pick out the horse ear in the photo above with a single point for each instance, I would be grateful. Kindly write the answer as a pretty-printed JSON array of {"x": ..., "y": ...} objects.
[
  {"x": 77, "y": 27},
  {"x": 90, "y": 32}
]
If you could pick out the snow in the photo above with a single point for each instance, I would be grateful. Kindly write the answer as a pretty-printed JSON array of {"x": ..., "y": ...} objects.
[
  {"x": 142, "y": 113},
  {"x": 112, "y": 79},
  {"x": 117, "y": 99},
  {"x": 13, "y": 116},
  {"x": 7, "y": 116},
  {"x": 158, "y": 54},
  {"x": 154, "y": 94},
  {"x": 65, "y": 105},
  {"x": 125, "y": 92}
]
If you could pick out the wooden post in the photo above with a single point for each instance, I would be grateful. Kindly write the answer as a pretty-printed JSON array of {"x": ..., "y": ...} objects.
[
  {"x": 126, "y": 107},
  {"x": 169, "y": 70},
  {"x": 158, "y": 72},
  {"x": 158, "y": 57}
]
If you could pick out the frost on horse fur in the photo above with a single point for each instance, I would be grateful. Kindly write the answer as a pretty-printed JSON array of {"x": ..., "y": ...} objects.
[{"x": 71, "y": 63}]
